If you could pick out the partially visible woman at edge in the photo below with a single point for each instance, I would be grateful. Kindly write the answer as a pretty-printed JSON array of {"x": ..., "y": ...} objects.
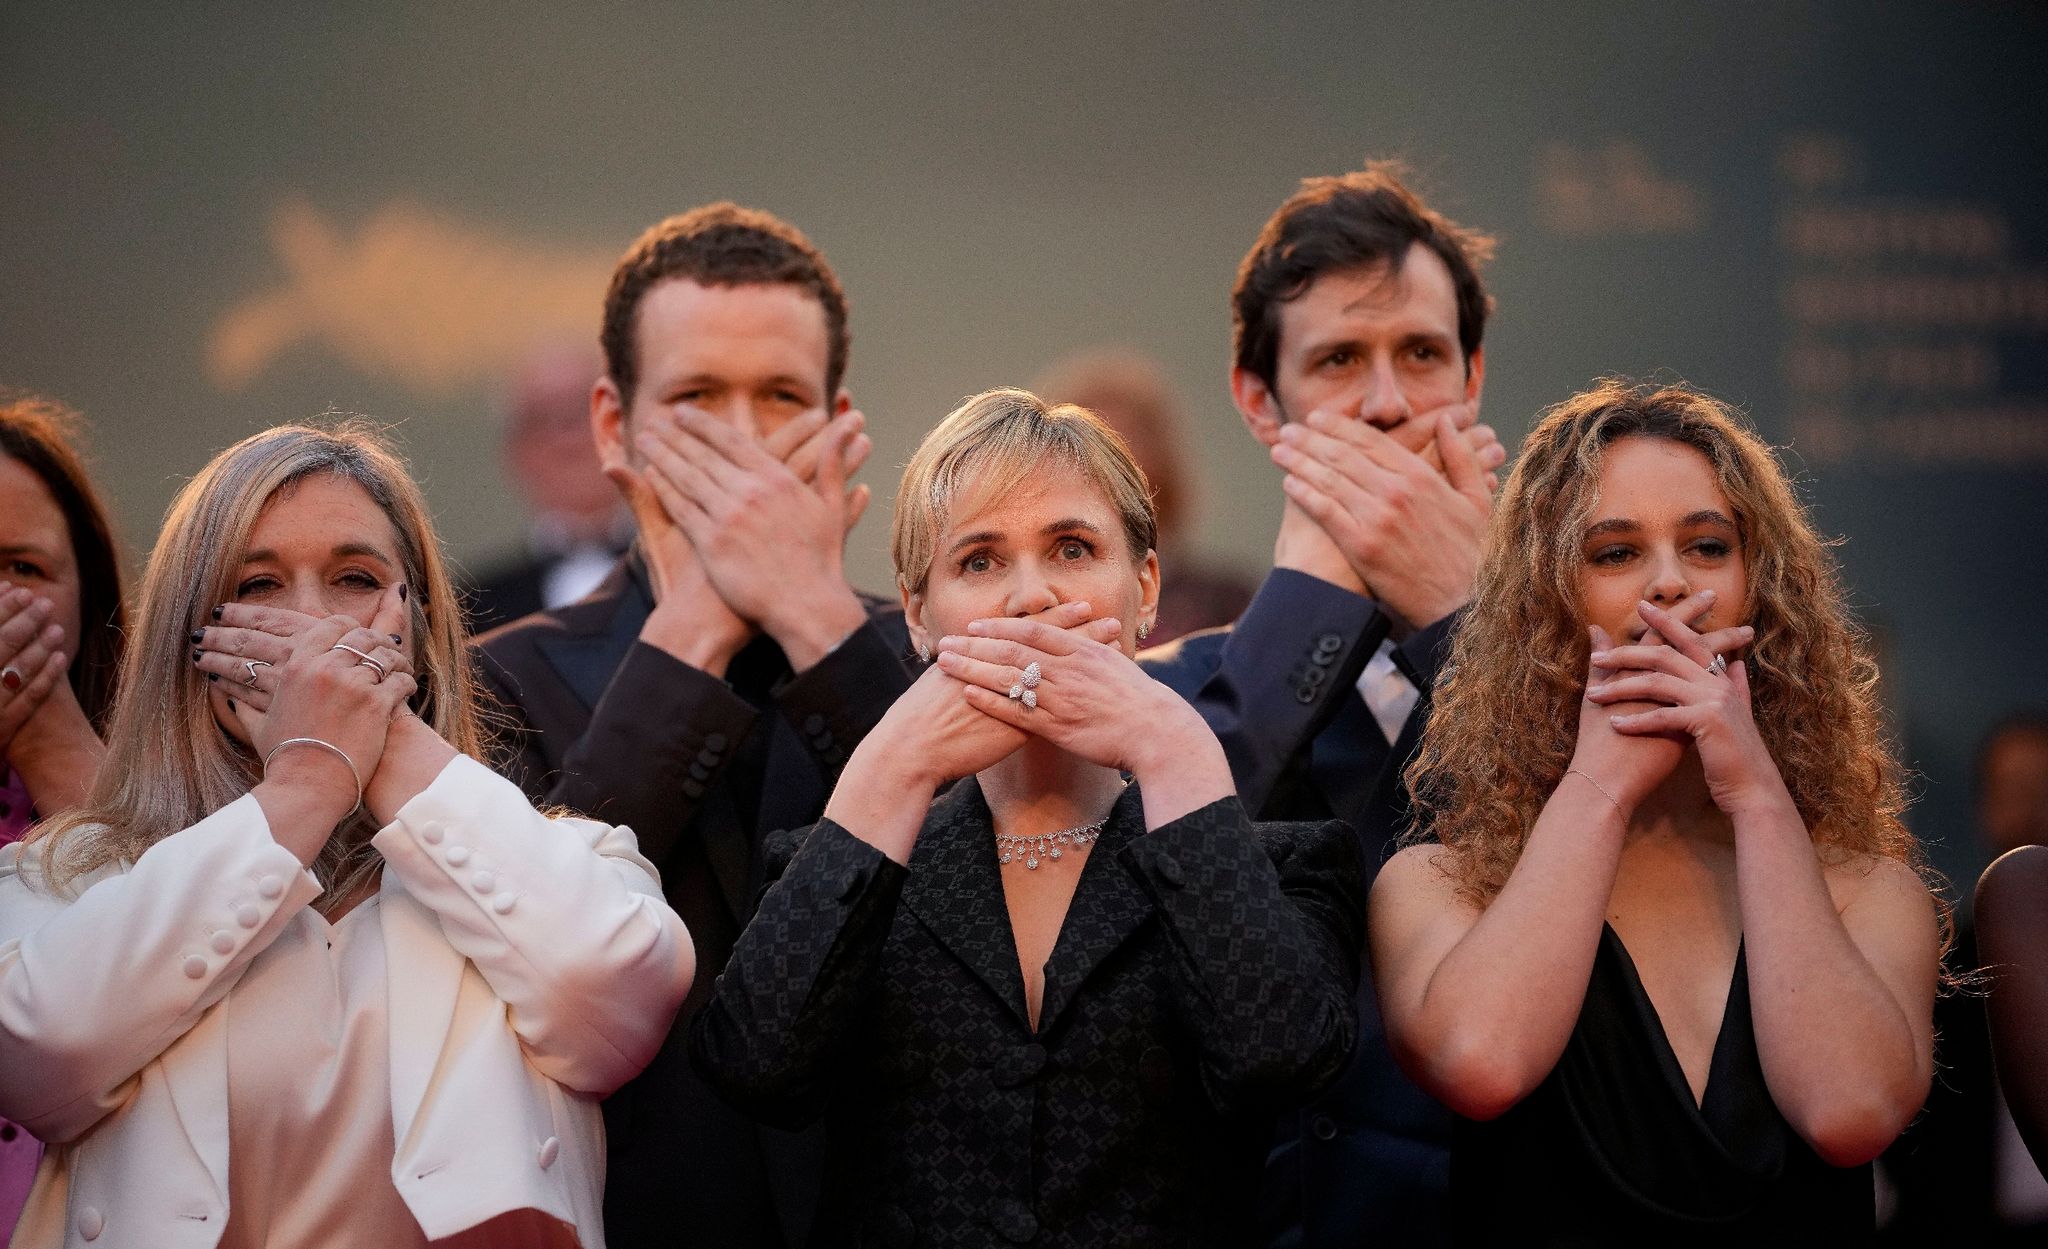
[
  {"x": 301, "y": 972},
  {"x": 1670, "y": 955},
  {"x": 61, "y": 623},
  {"x": 1047, "y": 1007}
]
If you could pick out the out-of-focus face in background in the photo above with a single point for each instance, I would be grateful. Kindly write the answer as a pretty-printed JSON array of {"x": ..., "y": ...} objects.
[
  {"x": 548, "y": 451},
  {"x": 1132, "y": 395},
  {"x": 35, "y": 547},
  {"x": 2012, "y": 788}
]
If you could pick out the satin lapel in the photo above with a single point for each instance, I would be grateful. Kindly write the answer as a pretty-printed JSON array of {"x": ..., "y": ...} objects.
[
  {"x": 956, "y": 890},
  {"x": 1108, "y": 907},
  {"x": 586, "y": 661},
  {"x": 196, "y": 1070},
  {"x": 425, "y": 975}
]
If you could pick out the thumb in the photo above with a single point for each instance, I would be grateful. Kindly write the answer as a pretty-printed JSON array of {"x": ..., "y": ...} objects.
[
  {"x": 857, "y": 504},
  {"x": 389, "y": 619},
  {"x": 831, "y": 482},
  {"x": 1460, "y": 464}
]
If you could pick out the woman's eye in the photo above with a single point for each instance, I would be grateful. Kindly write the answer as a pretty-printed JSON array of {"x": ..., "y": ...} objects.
[
  {"x": 22, "y": 568},
  {"x": 360, "y": 581},
  {"x": 1711, "y": 548},
  {"x": 976, "y": 563},
  {"x": 1074, "y": 548},
  {"x": 1611, "y": 554},
  {"x": 255, "y": 585}
]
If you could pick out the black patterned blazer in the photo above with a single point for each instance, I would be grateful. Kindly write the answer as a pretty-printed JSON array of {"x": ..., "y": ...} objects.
[{"x": 1201, "y": 982}]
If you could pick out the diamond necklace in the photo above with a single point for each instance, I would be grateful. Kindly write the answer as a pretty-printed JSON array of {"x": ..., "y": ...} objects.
[{"x": 1010, "y": 847}]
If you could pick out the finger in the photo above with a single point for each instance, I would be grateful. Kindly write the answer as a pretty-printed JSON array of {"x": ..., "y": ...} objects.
[
  {"x": 1338, "y": 445},
  {"x": 1461, "y": 464},
  {"x": 321, "y": 636},
  {"x": 858, "y": 449},
  {"x": 831, "y": 483},
  {"x": 1067, "y": 615},
  {"x": 36, "y": 688},
  {"x": 27, "y": 621},
  {"x": 34, "y": 654},
  {"x": 234, "y": 670},
  {"x": 397, "y": 690},
  {"x": 1668, "y": 721},
  {"x": 1108, "y": 630},
  {"x": 1009, "y": 655},
  {"x": 857, "y": 500},
  {"x": 733, "y": 445},
  {"x": 1639, "y": 658},
  {"x": 1727, "y": 641},
  {"x": 683, "y": 510},
  {"x": 1676, "y": 632},
  {"x": 687, "y": 465},
  {"x": 1325, "y": 511},
  {"x": 969, "y": 670},
  {"x": 1486, "y": 447},
  {"x": 239, "y": 644},
  {"x": 1493, "y": 483},
  {"x": 796, "y": 440},
  {"x": 1033, "y": 633},
  {"x": 1692, "y": 609},
  {"x": 1327, "y": 478},
  {"x": 1601, "y": 644},
  {"x": 388, "y": 621},
  {"x": 807, "y": 458},
  {"x": 1010, "y": 711},
  {"x": 1642, "y": 687},
  {"x": 1379, "y": 448},
  {"x": 1738, "y": 674},
  {"x": 378, "y": 647},
  {"x": 277, "y": 621}
]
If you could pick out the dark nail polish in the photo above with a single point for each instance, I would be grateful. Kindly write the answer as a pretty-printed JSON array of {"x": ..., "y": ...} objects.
[
  {"x": 213, "y": 676},
  {"x": 198, "y": 636},
  {"x": 195, "y": 656},
  {"x": 401, "y": 591},
  {"x": 397, "y": 640},
  {"x": 231, "y": 704},
  {"x": 216, "y": 612}
]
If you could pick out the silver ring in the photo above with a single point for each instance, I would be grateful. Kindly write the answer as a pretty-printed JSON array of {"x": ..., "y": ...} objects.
[
  {"x": 250, "y": 666},
  {"x": 1032, "y": 676},
  {"x": 1719, "y": 667},
  {"x": 1031, "y": 698},
  {"x": 361, "y": 658},
  {"x": 1017, "y": 690}
]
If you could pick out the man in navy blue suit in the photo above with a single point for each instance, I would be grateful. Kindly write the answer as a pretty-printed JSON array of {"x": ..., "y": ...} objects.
[{"x": 1358, "y": 317}]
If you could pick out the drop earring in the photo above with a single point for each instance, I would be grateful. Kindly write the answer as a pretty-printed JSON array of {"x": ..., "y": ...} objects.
[
  {"x": 1144, "y": 630},
  {"x": 924, "y": 653}
]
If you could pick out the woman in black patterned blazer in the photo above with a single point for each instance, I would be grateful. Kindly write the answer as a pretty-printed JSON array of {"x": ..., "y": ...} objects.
[{"x": 1050, "y": 1007}]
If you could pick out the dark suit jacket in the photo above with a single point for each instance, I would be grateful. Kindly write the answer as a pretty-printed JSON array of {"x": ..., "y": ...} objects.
[
  {"x": 1201, "y": 983},
  {"x": 601, "y": 723},
  {"x": 1370, "y": 1159}
]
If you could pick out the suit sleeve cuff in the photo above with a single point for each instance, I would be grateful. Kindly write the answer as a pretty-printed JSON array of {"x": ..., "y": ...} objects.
[{"x": 837, "y": 700}]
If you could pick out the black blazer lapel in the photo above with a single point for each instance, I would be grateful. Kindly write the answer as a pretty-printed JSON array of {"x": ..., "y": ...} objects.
[
  {"x": 956, "y": 890},
  {"x": 586, "y": 661},
  {"x": 1108, "y": 907}
]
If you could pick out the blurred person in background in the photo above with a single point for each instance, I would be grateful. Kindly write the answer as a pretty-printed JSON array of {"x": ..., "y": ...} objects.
[
  {"x": 1961, "y": 1174},
  {"x": 1130, "y": 391},
  {"x": 62, "y": 620},
  {"x": 578, "y": 526}
]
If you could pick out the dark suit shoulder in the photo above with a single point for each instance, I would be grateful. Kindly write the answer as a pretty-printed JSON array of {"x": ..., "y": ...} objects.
[
  {"x": 1304, "y": 849},
  {"x": 1186, "y": 663}
]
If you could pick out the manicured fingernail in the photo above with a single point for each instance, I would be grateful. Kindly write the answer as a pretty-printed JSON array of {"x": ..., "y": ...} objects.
[
  {"x": 213, "y": 676},
  {"x": 216, "y": 613},
  {"x": 397, "y": 640},
  {"x": 401, "y": 591},
  {"x": 198, "y": 636},
  {"x": 195, "y": 656},
  {"x": 977, "y": 626},
  {"x": 231, "y": 704},
  {"x": 1600, "y": 657}
]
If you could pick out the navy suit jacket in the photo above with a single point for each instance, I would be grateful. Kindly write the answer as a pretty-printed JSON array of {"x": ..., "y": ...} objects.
[{"x": 1370, "y": 1158}]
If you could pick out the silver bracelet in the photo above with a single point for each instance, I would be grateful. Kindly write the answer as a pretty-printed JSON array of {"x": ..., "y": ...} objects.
[
  {"x": 1597, "y": 785},
  {"x": 339, "y": 753}
]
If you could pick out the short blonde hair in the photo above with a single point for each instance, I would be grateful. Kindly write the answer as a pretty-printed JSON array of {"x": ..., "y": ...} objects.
[{"x": 990, "y": 445}]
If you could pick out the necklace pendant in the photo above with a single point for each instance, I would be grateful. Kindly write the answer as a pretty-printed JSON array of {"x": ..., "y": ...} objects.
[
  {"x": 1055, "y": 853},
  {"x": 1007, "y": 856},
  {"x": 1031, "y": 863}
]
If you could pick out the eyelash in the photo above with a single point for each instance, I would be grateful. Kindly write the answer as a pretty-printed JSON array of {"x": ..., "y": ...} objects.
[
  {"x": 1720, "y": 550},
  {"x": 1087, "y": 548},
  {"x": 23, "y": 568},
  {"x": 363, "y": 581}
]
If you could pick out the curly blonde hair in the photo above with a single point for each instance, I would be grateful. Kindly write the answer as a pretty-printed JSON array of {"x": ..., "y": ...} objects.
[{"x": 1501, "y": 731}]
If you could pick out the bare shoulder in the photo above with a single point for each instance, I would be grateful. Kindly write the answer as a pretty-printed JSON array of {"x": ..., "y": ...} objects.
[
  {"x": 1876, "y": 883},
  {"x": 1418, "y": 875}
]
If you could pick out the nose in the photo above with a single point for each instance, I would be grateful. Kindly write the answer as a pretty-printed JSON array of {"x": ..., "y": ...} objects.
[
  {"x": 741, "y": 413},
  {"x": 1667, "y": 586},
  {"x": 1384, "y": 405},
  {"x": 1031, "y": 591},
  {"x": 307, "y": 596}
]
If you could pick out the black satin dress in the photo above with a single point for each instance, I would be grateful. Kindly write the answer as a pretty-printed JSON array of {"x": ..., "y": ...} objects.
[{"x": 1612, "y": 1150}]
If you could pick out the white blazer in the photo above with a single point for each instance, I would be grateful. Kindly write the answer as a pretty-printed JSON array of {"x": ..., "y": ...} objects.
[{"x": 534, "y": 967}]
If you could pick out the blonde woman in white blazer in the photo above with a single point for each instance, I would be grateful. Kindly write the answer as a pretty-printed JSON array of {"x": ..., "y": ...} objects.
[{"x": 302, "y": 973}]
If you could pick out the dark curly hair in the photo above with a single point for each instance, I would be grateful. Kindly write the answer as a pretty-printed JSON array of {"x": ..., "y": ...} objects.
[{"x": 718, "y": 244}]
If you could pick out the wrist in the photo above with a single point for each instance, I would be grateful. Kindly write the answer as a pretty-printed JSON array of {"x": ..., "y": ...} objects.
[
  {"x": 812, "y": 627},
  {"x": 1606, "y": 796},
  {"x": 705, "y": 644}
]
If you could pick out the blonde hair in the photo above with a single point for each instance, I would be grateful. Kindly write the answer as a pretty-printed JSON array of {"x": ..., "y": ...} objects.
[
  {"x": 169, "y": 764},
  {"x": 990, "y": 445},
  {"x": 1500, "y": 731}
]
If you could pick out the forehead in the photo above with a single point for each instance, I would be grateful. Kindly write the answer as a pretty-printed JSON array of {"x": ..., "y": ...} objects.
[
  {"x": 738, "y": 333},
  {"x": 1051, "y": 491},
  {"x": 31, "y": 510},
  {"x": 325, "y": 508},
  {"x": 1374, "y": 301},
  {"x": 1643, "y": 478}
]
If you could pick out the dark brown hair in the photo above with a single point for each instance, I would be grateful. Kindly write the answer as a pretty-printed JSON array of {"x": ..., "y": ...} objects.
[
  {"x": 1336, "y": 225},
  {"x": 718, "y": 244},
  {"x": 40, "y": 433}
]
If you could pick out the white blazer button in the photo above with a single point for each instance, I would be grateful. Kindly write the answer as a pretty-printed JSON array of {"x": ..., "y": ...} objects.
[
  {"x": 550, "y": 1149},
  {"x": 270, "y": 887},
  {"x": 431, "y": 831},
  {"x": 502, "y": 904},
  {"x": 195, "y": 967},
  {"x": 458, "y": 855},
  {"x": 248, "y": 916},
  {"x": 223, "y": 942},
  {"x": 91, "y": 1223},
  {"x": 484, "y": 881}
]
